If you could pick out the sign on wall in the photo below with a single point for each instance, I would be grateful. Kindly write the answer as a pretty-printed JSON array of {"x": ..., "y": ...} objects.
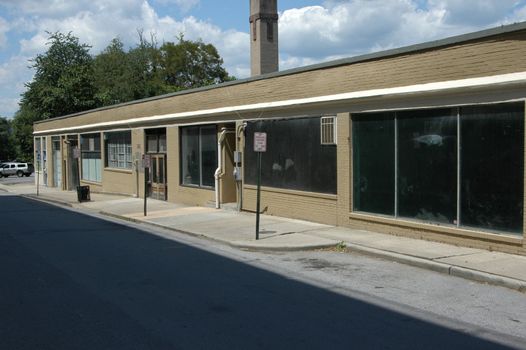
[
  {"x": 146, "y": 161},
  {"x": 260, "y": 142}
]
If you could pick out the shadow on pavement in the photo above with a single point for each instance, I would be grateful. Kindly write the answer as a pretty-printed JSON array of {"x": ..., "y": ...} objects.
[{"x": 71, "y": 281}]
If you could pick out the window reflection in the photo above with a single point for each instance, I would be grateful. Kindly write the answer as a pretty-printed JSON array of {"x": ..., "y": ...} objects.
[
  {"x": 295, "y": 158},
  {"x": 490, "y": 169},
  {"x": 427, "y": 163}
]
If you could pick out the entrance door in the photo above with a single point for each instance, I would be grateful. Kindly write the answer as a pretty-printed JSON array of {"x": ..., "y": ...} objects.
[
  {"x": 73, "y": 161},
  {"x": 158, "y": 176},
  {"x": 57, "y": 165}
]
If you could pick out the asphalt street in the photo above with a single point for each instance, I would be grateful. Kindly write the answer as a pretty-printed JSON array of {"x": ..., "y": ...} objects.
[
  {"x": 73, "y": 281},
  {"x": 13, "y": 179}
]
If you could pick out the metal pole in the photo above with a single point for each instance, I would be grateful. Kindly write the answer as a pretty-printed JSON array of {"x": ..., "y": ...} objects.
[
  {"x": 145, "y": 189},
  {"x": 38, "y": 180},
  {"x": 258, "y": 196}
]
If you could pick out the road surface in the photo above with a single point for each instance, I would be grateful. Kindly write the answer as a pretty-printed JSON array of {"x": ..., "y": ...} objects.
[{"x": 74, "y": 281}]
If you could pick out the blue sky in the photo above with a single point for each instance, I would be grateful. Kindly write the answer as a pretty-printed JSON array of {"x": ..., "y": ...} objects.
[{"x": 310, "y": 31}]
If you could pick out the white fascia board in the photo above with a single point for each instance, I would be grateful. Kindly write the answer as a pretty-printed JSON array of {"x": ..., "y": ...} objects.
[{"x": 503, "y": 79}]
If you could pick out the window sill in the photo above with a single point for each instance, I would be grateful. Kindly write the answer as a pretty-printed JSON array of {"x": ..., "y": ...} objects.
[
  {"x": 90, "y": 182},
  {"x": 508, "y": 238},
  {"x": 118, "y": 170},
  {"x": 197, "y": 187}
]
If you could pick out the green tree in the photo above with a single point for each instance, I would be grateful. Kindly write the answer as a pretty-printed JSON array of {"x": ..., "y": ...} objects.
[
  {"x": 7, "y": 150},
  {"x": 63, "y": 81},
  {"x": 22, "y": 125},
  {"x": 113, "y": 75},
  {"x": 191, "y": 64},
  {"x": 146, "y": 75}
]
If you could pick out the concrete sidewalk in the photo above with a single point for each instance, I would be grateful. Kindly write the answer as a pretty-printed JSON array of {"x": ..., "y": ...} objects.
[{"x": 238, "y": 230}]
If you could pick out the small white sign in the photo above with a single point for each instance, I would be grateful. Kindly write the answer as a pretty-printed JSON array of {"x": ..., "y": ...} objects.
[
  {"x": 76, "y": 153},
  {"x": 146, "y": 161},
  {"x": 260, "y": 142}
]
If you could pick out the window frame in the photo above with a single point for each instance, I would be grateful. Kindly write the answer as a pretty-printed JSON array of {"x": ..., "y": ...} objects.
[
  {"x": 118, "y": 150},
  {"x": 199, "y": 154},
  {"x": 460, "y": 119},
  {"x": 309, "y": 168},
  {"x": 92, "y": 150}
]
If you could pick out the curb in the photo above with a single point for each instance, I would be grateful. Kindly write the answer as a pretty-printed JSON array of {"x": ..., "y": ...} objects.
[
  {"x": 452, "y": 270},
  {"x": 47, "y": 200},
  {"x": 252, "y": 247},
  {"x": 485, "y": 277}
]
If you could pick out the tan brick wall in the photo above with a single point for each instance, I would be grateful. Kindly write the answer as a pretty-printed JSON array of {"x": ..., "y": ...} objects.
[
  {"x": 456, "y": 236},
  {"x": 343, "y": 168},
  {"x": 483, "y": 57},
  {"x": 118, "y": 181},
  {"x": 94, "y": 186},
  {"x": 293, "y": 204}
]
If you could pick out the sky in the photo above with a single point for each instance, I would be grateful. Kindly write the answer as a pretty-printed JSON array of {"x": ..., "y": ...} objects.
[{"x": 310, "y": 31}]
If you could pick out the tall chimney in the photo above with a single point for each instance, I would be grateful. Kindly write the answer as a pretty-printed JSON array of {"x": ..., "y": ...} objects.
[{"x": 263, "y": 36}]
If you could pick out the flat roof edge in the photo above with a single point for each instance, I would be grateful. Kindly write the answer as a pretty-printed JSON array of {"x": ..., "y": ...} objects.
[{"x": 457, "y": 39}]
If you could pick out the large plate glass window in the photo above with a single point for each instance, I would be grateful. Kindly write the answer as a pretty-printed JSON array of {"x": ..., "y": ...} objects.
[
  {"x": 492, "y": 168},
  {"x": 118, "y": 150},
  {"x": 459, "y": 166},
  {"x": 198, "y": 155},
  {"x": 427, "y": 165},
  {"x": 91, "y": 158},
  {"x": 373, "y": 163},
  {"x": 295, "y": 158}
]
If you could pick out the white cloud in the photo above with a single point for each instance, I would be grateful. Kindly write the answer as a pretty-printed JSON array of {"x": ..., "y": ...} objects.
[
  {"x": 473, "y": 12},
  {"x": 184, "y": 5},
  {"x": 13, "y": 75},
  {"x": 96, "y": 22},
  {"x": 103, "y": 20},
  {"x": 352, "y": 27},
  {"x": 4, "y": 28}
]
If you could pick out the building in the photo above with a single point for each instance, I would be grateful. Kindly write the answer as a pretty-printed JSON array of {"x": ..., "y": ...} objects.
[{"x": 423, "y": 141}]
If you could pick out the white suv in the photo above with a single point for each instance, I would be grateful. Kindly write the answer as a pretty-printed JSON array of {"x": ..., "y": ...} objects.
[{"x": 18, "y": 169}]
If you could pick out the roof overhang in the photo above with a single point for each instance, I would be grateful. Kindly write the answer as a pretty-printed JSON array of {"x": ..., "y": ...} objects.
[{"x": 496, "y": 81}]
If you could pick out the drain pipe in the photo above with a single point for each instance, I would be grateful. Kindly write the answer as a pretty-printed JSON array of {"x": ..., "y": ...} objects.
[
  {"x": 219, "y": 171},
  {"x": 239, "y": 184}
]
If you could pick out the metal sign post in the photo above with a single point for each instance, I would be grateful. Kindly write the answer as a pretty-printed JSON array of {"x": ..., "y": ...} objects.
[
  {"x": 146, "y": 160},
  {"x": 260, "y": 146},
  {"x": 39, "y": 164}
]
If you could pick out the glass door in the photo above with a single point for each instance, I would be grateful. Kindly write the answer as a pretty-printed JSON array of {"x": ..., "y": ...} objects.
[{"x": 158, "y": 176}]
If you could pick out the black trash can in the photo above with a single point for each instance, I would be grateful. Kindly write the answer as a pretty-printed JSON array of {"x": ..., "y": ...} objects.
[{"x": 83, "y": 193}]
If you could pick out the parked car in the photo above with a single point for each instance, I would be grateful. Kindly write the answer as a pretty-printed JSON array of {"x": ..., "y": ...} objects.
[{"x": 18, "y": 169}]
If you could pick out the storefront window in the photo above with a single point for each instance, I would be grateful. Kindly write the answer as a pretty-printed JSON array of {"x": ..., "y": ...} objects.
[
  {"x": 492, "y": 166},
  {"x": 91, "y": 159},
  {"x": 118, "y": 150},
  {"x": 198, "y": 155},
  {"x": 473, "y": 178},
  {"x": 427, "y": 165},
  {"x": 295, "y": 158},
  {"x": 373, "y": 163}
]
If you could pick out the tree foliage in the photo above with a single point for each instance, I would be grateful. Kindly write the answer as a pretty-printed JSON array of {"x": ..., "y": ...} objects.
[
  {"x": 23, "y": 132},
  {"x": 7, "y": 151},
  {"x": 191, "y": 64},
  {"x": 69, "y": 80},
  {"x": 63, "y": 81}
]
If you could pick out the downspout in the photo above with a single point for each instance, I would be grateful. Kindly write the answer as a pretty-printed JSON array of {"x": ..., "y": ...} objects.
[
  {"x": 219, "y": 171},
  {"x": 239, "y": 184}
]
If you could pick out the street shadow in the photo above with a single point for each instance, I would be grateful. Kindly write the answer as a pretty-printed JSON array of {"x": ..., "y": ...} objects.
[{"x": 71, "y": 281}]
